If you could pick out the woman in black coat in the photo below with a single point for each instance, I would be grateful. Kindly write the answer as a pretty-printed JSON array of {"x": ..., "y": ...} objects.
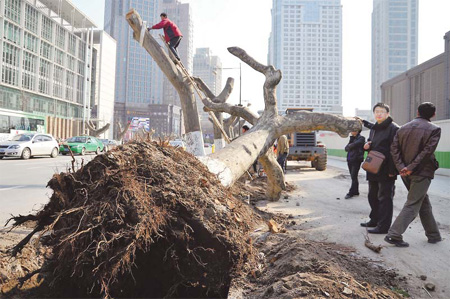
[
  {"x": 382, "y": 184},
  {"x": 355, "y": 156}
]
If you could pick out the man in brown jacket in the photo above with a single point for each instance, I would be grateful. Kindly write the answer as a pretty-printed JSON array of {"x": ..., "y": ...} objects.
[{"x": 413, "y": 153}]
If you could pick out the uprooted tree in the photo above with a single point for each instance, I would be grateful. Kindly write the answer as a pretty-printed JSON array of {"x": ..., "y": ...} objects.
[
  {"x": 232, "y": 162},
  {"x": 94, "y": 131}
]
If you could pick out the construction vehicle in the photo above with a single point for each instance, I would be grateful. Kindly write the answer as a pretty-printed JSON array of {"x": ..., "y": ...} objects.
[{"x": 303, "y": 146}]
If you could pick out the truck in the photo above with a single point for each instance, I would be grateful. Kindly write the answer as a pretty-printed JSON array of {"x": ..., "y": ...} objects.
[{"x": 303, "y": 146}]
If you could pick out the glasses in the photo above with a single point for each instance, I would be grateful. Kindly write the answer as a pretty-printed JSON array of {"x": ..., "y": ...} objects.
[{"x": 380, "y": 112}]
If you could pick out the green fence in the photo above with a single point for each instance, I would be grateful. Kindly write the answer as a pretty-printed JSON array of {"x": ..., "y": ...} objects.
[{"x": 442, "y": 157}]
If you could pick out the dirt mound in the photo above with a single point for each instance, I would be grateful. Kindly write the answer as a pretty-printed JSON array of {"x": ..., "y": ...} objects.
[
  {"x": 292, "y": 267},
  {"x": 142, "y": 219}
]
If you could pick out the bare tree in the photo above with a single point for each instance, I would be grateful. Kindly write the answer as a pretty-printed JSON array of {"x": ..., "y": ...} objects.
[
  {"x": 93, "y": 131},
  {"x": 122, "y": 131},
  {"x": 221, "y": 98},
  {"x": 176, "y": 76},
  {"x": 232, "y": 161}
]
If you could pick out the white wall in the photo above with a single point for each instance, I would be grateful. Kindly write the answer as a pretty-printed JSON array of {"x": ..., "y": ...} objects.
[{"x": 106, "y": 76}]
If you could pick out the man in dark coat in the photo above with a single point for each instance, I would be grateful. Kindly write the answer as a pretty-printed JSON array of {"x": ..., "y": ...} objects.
[
  {"x": 172, "y": 34},
  {"x": 382, "y": 184},
  {"x": 355, "y": 156},
  {"x": 413, "y": 153}
]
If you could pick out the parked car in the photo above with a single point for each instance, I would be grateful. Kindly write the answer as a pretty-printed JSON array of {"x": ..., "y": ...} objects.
[
  {"x": 29, "y": 144},
  {"x": 209, "y": 148},
  {"x": 82, "y": 145},
  {"x": 178, "y": 143},
  {"x": 109, "y": 144}
]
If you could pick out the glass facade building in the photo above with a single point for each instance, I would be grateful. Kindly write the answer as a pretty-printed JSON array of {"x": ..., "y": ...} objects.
[
  {"x": 394, "y": 40},
  {"x": 46, "y": 56},
  {"x": 139, "y": 81},
  {"x": 306, "y": 45},
  {"x": 209, "y": 68}
]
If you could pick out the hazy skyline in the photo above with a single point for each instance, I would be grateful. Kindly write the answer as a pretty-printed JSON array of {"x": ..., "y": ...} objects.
[{"x": 219, "y": 24}]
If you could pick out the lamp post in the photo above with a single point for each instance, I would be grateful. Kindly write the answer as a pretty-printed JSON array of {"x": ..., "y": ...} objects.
[{"x": 240, "y": 87}]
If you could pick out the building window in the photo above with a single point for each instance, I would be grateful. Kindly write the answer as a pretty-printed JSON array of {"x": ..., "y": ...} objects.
[
  {"x": 60, "y": 37},
  {"x": 59, "y": 57},
  {"x": 69, "y": 86},
  {"x": 31, "y": 18},
  {"x": 10, "y": 71},
  {"x": 29, "y": 70},
  {"x": 12, "y": 10},
  {"x": 12, "y": 33},
  {"x": 46, "y": 50},
  {"x": 72, "y": 44},
  {"x": 30, "y": 42},
  {"x": 44, "y": 76},
  {"x": 47, "y": 29},
  {"x": 58, "y": 81}
]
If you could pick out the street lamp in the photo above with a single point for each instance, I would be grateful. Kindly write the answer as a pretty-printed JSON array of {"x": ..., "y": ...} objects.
[{"x": 240, "y": 87}]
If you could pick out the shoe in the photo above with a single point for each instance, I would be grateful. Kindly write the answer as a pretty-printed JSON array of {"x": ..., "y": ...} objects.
[
  {"x": 368, "y": 224},
  {"x": 376, "y": 230},
  {"x": 348, "y": 195},
  {"x": 434, "y": 241},
  {"x": 398, "y": 243}
]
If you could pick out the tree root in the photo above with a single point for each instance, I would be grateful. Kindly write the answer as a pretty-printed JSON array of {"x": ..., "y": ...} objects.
[{"x": 370, "y": 245}]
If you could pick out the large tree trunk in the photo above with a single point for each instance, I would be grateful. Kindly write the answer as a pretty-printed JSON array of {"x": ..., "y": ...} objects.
[
  {"x": 194, "y": 138},
  {"x": 233, "y": 161}
]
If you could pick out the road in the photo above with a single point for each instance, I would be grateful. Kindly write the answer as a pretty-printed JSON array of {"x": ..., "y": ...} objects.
[
  {"x": 323, "y": 214},
  {"x": 23, "y": 182},
  {"x": 318, "y": 205}
]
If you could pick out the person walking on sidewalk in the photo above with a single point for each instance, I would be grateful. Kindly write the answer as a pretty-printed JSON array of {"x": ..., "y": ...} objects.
[
  {"x": 355, "y": 156},
  {"x": 382, "y": 184},
  {"x": 413, "y": 154},
  {"x": 282, "y": 151},
  {"x": 172, "y": 34}
]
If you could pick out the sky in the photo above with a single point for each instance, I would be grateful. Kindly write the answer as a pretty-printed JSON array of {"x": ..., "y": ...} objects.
[{"x": 219, "y": 24}]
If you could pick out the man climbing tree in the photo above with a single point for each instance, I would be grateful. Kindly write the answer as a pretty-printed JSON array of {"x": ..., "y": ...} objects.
[{"x": 172, "y": 34}]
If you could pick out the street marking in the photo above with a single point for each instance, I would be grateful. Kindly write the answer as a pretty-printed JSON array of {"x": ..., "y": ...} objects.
[{"x": 10, "y": 188}]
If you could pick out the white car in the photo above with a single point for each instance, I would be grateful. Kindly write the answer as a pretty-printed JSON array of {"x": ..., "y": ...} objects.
[
  {"x": 28, "y": 145},
  {"x": 178, "y": 143}
]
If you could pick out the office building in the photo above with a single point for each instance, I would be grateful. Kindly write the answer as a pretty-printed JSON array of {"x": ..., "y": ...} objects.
[
  {"x": 181, "y": 14},
  {"x": 209, "y": 68},
  {"x": 306, "y": 45},
  {"x": 427, "y": 82},
  {"x": 139, "y": 81},
  {"x": 103, "y": 81},
  {"x": 46, "y": 51},
  {"x": 394, "y": 40}
]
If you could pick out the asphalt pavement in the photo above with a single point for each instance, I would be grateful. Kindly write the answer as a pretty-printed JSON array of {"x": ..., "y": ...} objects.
[{"x": 23, "y": 182}]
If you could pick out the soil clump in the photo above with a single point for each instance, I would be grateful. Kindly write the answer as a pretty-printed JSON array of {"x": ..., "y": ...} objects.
[{"x": 147, "y": 220}]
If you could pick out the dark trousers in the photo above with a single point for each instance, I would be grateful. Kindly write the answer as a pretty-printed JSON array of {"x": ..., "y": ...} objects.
[
  {"x": 417, "y": 203},
  {"x": 381, "y": 195},
  {"x": 282, "y": 161},
  {"x": 353, "y": 168},
  {"x": 173, "y": 45}
]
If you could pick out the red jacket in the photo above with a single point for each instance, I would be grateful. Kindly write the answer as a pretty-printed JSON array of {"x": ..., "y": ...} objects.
[{"x": 170, "y": 29}]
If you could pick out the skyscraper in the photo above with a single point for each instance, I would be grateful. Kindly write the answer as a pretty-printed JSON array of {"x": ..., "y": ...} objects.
[
  {"x": 181, "y": 14},
  {"x": 394, "y": 40},
  {"x": 306, "y": 45},
  {"x": 139, "y": 81},
  {"x": 209, "y": 69}
]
